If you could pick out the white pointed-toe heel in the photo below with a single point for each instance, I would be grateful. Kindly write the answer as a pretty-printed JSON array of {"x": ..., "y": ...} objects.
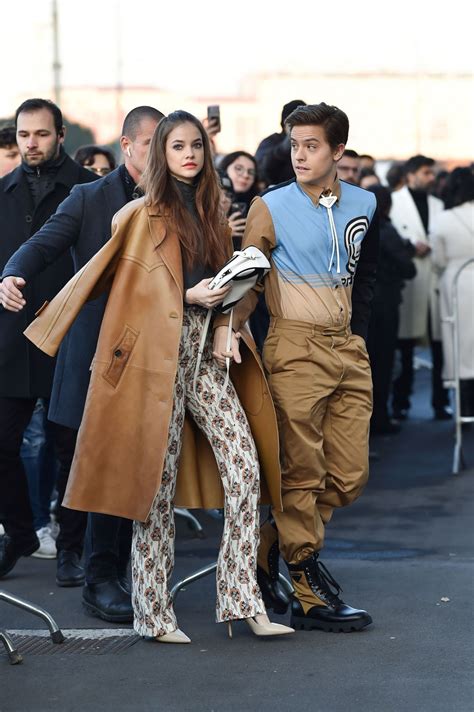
[
  {"x": 261, "y": 626},
  {"x": 177, "y": 636}
]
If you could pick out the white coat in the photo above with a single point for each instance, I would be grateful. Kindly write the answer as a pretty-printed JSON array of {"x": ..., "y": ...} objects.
[
  {"x": 421, "y": 292},
  {"x": 453, "y": 244}
]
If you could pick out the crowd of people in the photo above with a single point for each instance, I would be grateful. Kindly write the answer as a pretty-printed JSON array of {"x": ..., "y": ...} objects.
[{"x": 362, "y": 266}]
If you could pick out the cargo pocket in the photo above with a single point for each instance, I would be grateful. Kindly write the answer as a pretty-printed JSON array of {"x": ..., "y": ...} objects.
[{"x": 120, "y": 356}]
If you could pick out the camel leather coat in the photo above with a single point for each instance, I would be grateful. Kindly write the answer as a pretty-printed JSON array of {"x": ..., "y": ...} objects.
[{"x": 123, "y": 437}]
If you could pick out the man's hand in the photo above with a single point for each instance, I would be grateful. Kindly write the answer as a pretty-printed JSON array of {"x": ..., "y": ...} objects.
[
  {"x": 220, "y": 352},
  {"x": 422, "y": 249},
  {"x": 11, "y": 296}
]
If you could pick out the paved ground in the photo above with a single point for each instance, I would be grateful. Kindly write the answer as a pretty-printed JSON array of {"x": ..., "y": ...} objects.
[{"x": 404, "y": 551}]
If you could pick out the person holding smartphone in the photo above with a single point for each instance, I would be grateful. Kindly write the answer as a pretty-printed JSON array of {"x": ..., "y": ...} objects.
[{"x": 241, "y": 167}]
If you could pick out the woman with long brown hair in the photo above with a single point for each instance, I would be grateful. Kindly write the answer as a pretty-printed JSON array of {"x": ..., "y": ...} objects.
[{"x": 181, "y": 180}]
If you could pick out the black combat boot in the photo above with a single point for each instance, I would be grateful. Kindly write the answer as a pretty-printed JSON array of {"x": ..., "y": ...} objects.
[
  {"x": 316, "y": 603},
  {"x": 273, "y": 593}
]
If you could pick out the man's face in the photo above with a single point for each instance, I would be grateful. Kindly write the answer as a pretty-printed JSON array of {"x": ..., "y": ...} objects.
[
  {"x": 313, "y": 159},
  {"x": 9, "y": 159},
  {"x": 422, "y": 179},
  {"x": 348, "y": 169},
  {"x": 136, "y": 151},
  {"x": 36, "y": 137}
]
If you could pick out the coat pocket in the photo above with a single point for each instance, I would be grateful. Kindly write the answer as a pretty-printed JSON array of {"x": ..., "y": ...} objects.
[{"x": 121, "y": 353}]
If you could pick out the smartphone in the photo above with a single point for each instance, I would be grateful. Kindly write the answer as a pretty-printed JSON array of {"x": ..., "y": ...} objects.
[
  {"x": 240, "y": 208},
  {"x": 214, "y": 115}
]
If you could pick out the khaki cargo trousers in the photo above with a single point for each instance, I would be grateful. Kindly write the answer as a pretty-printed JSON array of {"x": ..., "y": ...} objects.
[{"x": 320, "y": 380}]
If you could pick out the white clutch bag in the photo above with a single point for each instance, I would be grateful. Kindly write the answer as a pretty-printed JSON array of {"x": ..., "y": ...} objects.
[{"x": 243, "y": 270}]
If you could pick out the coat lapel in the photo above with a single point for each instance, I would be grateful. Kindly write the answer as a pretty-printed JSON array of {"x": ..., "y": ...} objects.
[
  {"x": 167, "y": 245},
  {"x": 412, "y": 216},
  {"x": 21, "y": 193},
  {"x": 114, "y": 193}
]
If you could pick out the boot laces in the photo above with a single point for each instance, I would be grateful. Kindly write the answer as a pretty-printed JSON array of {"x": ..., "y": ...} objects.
[{"x": 329, "y": 583}]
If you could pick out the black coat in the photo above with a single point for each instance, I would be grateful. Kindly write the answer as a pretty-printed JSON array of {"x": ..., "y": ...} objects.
[
  {"x": 25, "y": 372},
  {"x": 395, "y": 265},
  {"x": 82, "y": 224}
]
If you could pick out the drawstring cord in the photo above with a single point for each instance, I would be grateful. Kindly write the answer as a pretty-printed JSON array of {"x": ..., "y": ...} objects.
[{"x": 328, "y": 201}]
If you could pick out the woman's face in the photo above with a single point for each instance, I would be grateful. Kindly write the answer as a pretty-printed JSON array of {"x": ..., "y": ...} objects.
[
  {"x": 242, "y": 174},
  {"x": 100, "y": 165},
  {"x": 185, "y": 152}
]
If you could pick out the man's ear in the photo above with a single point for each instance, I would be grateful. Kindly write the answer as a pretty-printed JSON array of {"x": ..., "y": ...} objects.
[
  {"x": 337, "y": 155},
  {"x": 62, "y": 134},
  {"x": 125, "y": 145}
]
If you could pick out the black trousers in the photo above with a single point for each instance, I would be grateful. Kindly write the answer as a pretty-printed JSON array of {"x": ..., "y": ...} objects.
[
  {"x": 108, "y": 539},
  {"x": 403, "y": 384},
  {"x": 107, "y": 547},
  {"x": 15, "y": 509},
  {"x": 381, "y": 345}
]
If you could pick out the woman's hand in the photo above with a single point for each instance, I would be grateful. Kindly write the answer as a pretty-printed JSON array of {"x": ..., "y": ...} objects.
[
  {"x": 220, "y": 352},
  {"x": 204, "y": 297},
  {"x": 237, "y": 224}
]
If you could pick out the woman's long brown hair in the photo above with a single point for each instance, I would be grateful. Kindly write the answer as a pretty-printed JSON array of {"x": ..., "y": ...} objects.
[{"x": 200, "y": 240}]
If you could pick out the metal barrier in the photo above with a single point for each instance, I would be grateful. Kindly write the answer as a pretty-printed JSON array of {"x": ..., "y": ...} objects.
[
  {"x": 210, "y": 568},
  {"x": 55, "y": 632},
  {"x": 454, "y": 384}
]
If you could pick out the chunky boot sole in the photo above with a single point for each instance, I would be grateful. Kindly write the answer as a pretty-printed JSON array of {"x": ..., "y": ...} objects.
[
  {"x": 97, "y": 613},
  {"x": 306, "y": 623}
]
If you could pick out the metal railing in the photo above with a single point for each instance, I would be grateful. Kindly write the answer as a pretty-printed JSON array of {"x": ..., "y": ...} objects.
[{"x": 454, "y": 383}]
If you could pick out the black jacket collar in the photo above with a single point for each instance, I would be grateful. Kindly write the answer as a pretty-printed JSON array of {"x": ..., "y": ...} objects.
[{"x": 68, "y": 174}]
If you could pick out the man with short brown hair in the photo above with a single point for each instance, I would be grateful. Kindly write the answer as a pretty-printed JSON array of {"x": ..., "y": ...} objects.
[
  {"x": 321, "y": 237},
  {"x": 29, "y": 195}
]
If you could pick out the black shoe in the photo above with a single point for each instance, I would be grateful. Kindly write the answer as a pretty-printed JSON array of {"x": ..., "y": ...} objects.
[
  {"x": 11, "y": 551},
  {"x": 385, "y": 427},
  {"x": 69, "y": 571},
  {"x": 125, "y": 583},
  {"x": 400, "y": 413},
  {"x": 443, "y": 413},
  {"x": 108, "y": 601},
  {"x": 313, "y": 582},
  {"x": 274, "y": 595}
]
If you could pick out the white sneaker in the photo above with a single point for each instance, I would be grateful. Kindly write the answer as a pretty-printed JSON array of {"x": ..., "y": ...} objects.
[
  {"x": 47, "y": 548},
  {"x": 53, "y": 529}
]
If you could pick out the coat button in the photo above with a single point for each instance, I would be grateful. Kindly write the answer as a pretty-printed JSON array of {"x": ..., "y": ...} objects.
[
  {"x": 173, "y": 315},
  {"x": 28, "y": 218},
  {"x": 117, "y": 353}
]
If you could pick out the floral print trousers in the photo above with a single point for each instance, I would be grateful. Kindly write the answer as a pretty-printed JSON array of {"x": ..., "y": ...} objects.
[{"x": 223, "y": 421}]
